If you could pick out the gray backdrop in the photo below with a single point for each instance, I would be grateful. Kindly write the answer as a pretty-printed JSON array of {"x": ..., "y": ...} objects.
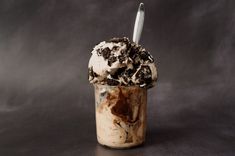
[{"x": 47, "y": 104}]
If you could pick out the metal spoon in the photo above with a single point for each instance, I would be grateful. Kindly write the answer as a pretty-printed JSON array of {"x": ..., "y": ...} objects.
[{"x": 139, "y": 23}]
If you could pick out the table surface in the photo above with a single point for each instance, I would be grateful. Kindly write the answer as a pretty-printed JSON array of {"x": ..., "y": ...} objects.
[{"x": 53, "y": 123}]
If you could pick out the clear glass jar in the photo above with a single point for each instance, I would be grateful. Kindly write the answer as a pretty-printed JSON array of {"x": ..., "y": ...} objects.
[{"x": 120, "y": 115}]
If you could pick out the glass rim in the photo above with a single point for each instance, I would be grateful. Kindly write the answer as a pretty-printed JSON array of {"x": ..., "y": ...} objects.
[{"x": 118, "y": 86}]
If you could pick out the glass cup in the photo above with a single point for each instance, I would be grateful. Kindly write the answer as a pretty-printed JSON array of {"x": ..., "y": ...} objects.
[{"x": 120, "y": 115}]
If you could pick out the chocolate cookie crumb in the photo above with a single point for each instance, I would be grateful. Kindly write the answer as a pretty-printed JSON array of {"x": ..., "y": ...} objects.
[
  {"x": 111, "y": 60},
  {"x": 106, "y": 52},
  {"x": 136, "y": 65},
  {"x": 121, "y": 58},
  {"x": 91, "y": 72},
  {"x": 112, "y": 82},
  {"x": 134, "y": 54},
  {"x": 144, "y": 75},
  {"x": 125, "y": 79},
  {"x": 145, "y": 56},
  {"x": 115, "y": 48},
  {"x": 117, "y": 40},
  {"x": 118, "y": 72},
  {"x": 131, "y": 83},
  {"x": 99, "y": 52}
]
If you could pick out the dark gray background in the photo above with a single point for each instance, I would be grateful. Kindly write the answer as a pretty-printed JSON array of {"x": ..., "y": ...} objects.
[{"x": 47, "y": 104}]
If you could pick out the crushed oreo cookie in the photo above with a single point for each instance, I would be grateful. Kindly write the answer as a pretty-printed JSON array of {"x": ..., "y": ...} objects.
[
  {"x": 144, "y": 55},
  {"x": 115, "y": 48},
  {"x": 130, "y": 72},
  {"x": 125, "y": 79},
  {"x": 118, "y": 72},
  {"x": 130, "y": 83},
  {"x": 112, "y": 82},
  {"x": 111, "y": 60},
  {"x": 117, "y": 40},
  {"x": 106, "y": 52},
  {"x": 136, "y": 65},
  {"x": 121, "y": 58},
  {"x": 144, "y": 75},
  {"x": 150, "y": 57},
  {"x": 134, "y": 54},
  {"x": 99, "y": 52},
  {"x": 91, "y": 74}
]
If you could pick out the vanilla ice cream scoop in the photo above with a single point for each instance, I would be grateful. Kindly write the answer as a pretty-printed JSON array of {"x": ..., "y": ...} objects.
[{"x": 121, "y": 62}]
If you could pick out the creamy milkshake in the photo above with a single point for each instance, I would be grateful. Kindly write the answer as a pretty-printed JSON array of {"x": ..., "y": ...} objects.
[{"x": 121, "y": 72}]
